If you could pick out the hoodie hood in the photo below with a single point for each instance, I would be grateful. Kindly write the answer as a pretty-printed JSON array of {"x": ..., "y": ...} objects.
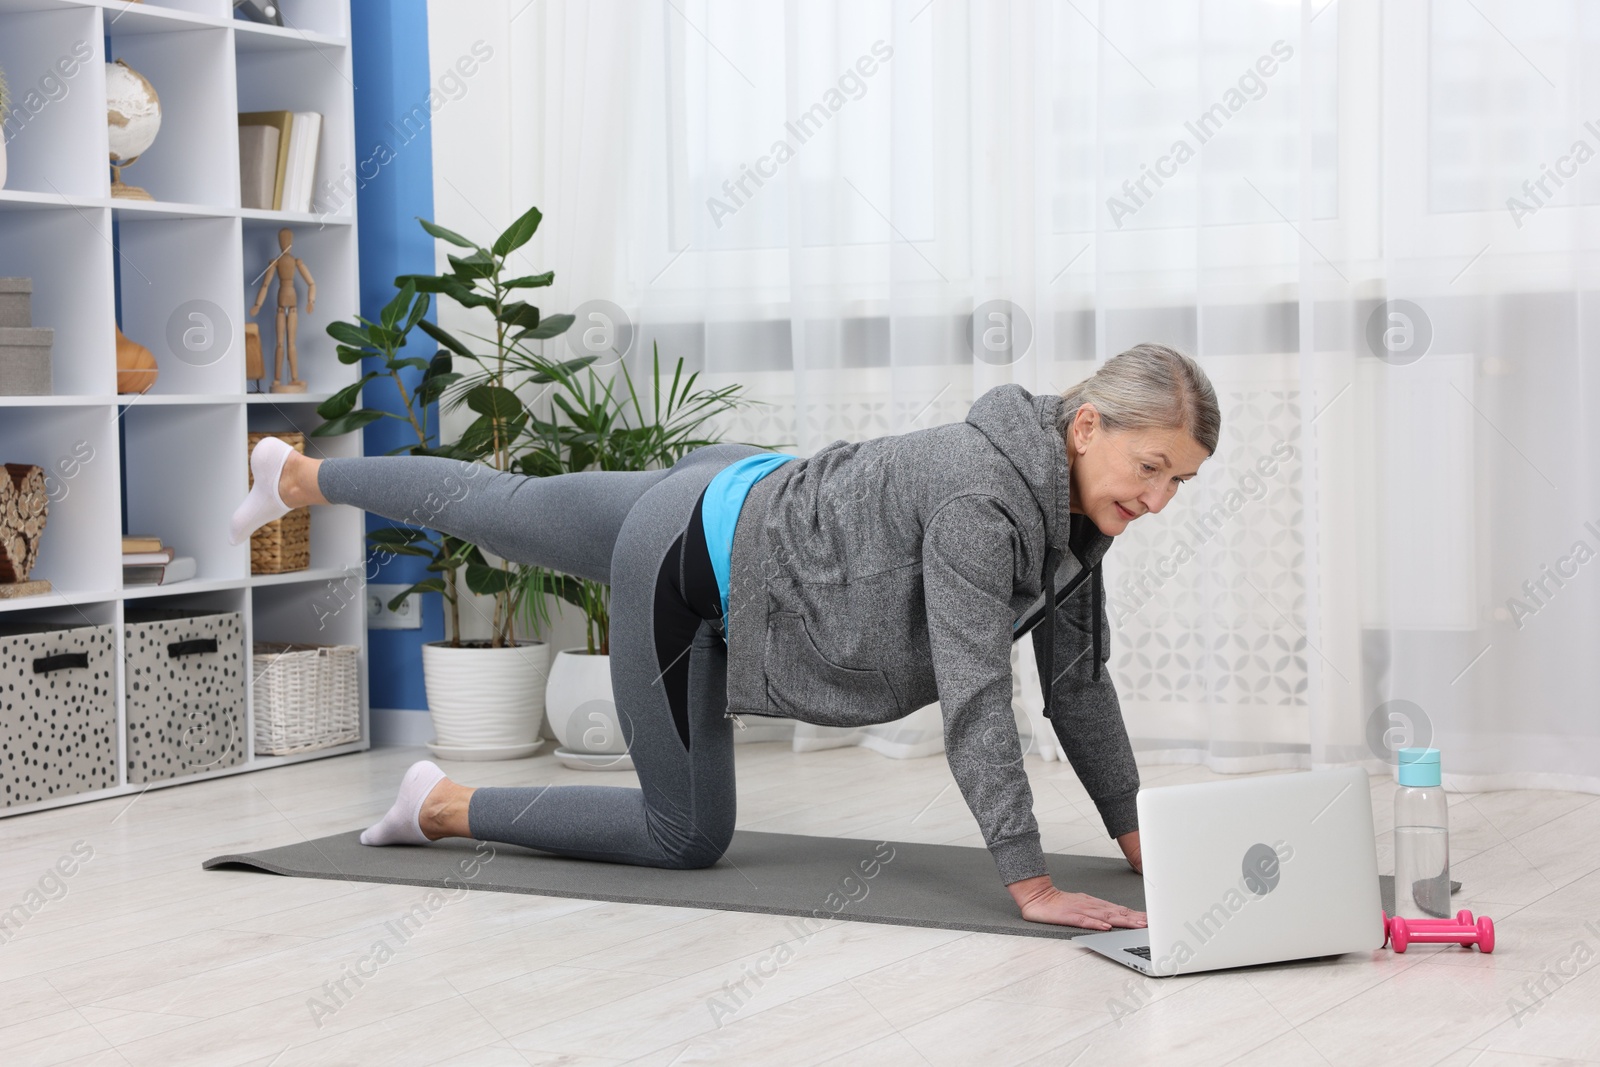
[{"x": 1023, "y": 428}]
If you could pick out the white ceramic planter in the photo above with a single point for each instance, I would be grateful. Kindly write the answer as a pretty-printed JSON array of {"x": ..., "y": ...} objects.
[
  {"x": 2, "y": 162},
  {"x": 580, "y": 704},
  {"x": 485, "y": 703}
]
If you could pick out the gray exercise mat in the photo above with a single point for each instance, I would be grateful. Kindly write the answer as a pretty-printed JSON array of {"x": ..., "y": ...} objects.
[{"x": 903, "y": 883}]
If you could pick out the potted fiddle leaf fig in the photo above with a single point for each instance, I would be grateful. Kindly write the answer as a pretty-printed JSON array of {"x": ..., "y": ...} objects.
[{"x": 485, "y": 697}]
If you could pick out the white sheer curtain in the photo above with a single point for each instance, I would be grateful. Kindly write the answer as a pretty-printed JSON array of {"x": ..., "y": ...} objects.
[{"x": 869, "y": 213}]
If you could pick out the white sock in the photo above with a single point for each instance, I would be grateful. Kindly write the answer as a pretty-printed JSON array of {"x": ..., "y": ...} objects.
[
  {"x": 401, "y": 825},
  {"x": 263, "y": 504}
]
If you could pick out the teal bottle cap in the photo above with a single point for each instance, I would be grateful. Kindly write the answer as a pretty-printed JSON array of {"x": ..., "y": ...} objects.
[{"x": 1419, "y": 766}]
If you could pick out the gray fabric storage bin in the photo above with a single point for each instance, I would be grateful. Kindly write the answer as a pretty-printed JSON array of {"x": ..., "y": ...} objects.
[
  {"x": 16, "y": 296},
  {"x": 184, "y": 676},
  {"x": 58, "y": 711},
  {"x": 25, "y": 360}
]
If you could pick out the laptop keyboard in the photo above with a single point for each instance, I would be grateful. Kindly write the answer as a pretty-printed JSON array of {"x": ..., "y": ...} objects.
[{"x": 1142, "y": 951}]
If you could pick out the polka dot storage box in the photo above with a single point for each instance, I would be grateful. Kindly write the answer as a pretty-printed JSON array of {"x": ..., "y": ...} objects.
[
  {"x": 58, "y": 711},
  {"x": 184, "y": 674}
]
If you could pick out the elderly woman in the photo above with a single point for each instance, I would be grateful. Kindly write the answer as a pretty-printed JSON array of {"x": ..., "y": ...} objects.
[{"x": 849, "y": 588}]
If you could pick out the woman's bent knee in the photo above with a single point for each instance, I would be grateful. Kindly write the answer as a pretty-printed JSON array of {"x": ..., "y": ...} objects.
[{"x": 696, "y": 854}]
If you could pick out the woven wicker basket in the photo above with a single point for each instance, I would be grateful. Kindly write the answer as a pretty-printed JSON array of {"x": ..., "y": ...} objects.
[
  {"x": 284, "y": 544},
  {"x": 306, "y": 697}
]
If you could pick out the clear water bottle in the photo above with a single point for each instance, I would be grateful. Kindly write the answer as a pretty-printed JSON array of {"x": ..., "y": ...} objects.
[{"x": 1421, "y": 838}]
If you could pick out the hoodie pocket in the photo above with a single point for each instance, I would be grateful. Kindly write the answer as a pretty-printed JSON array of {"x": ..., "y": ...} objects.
[{"x": 804, "y": 684}]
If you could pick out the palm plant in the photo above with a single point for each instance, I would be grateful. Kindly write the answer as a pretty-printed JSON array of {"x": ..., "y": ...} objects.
[{"x": 603, "y": 424}]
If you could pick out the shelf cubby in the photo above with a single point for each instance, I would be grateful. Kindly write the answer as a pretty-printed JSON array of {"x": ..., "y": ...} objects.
[
  {"x": 186, "y": 470},
  {"x": 327, "y": 610},
  {"x": 67, "y": 252},
  {"x": 55, "y": 133},
  {"x": 178, "y": 302},
  {"x": 194, "y": 159},
  {"x": 77, "y": 448},
  {"x": 295, "y": 74},
  {"x": 337, "y": 533},
  {"x": 330, "y": 255}
]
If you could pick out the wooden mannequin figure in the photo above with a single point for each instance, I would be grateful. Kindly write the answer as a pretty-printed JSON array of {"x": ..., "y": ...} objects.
[{"x": 284, "y": 266}]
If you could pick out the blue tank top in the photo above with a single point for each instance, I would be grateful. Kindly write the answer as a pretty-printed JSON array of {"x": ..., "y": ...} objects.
[{"x": 719, "y": 512}]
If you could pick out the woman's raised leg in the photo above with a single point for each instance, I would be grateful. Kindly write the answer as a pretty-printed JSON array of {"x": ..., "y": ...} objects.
[{"x": 568, "y": 522}]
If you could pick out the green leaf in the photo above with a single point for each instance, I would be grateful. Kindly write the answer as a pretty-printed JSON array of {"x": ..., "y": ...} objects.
[
  {"x": 477, "y": 265},
  {"x": 531, "y": 281},
  {"x": 428, "y": 585},
  {"x": 495, "y": 401},
  {"x": 550, "y": 327},
  {"x": 396, "y": 307},
  {"x": 518, "y": 233},
  {"x": 394, "y": 604},
  {"x": 442, "y": 364},
  {"x": 351, "y": 422},
  {"x": 413, "y": 361},
  {"x": 434, "y": 385},
  {"x": 464, "y": 294},
  {"x": 540, "y": 463},
  {"x": 445, "y": 338},
  {"x": 344, "y": 401},
  {"x": 425, "y": 283},
  {"x": 347, "y": 354},
  {"x": 519, "y": 315},
  {"x": 411, "y": 550},
  {"x": 445, "y": 235},
  {"x": 488, "y": 581},
  {"x": 384, "y": 338},
  {"x": 418, "y": 309},
  {"x": 562, "y": 372},
  {"x": 350, "y": 334}
]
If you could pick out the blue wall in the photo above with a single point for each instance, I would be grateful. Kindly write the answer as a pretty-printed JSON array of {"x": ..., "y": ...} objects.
[{"x": 389, "y": 53}]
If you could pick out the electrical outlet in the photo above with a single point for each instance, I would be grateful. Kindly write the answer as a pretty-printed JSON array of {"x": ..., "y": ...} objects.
[{"x": 379, "y": 617}]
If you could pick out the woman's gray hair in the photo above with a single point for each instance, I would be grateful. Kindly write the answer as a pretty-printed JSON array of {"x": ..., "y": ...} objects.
[{"x": 1150, "y": 387}]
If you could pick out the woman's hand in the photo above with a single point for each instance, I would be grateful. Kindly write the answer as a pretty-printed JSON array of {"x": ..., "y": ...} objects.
[
  {"x": 1042, "y": 902},
  {"x": 1130, "y": 848}
]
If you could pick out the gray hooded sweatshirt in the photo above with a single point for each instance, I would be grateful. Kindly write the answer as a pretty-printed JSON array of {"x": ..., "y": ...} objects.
[{"x": 876, "y": 577}]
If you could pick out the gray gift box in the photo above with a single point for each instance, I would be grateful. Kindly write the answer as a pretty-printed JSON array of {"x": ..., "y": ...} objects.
[
  {"x": 15, "y": 295},
  {"x": 25, "y": 360}
]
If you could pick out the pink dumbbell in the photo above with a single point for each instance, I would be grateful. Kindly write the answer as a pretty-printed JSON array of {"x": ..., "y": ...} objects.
[
  {"x": 1463, "y": 918},
  {"x": 1462, "y": 930}
]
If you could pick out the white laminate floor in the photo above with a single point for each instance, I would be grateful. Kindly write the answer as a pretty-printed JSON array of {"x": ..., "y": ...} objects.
[{"x": 141, "y": 958}]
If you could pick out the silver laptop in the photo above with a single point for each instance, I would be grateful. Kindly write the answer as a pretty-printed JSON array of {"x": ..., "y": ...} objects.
[{"x": 1259, "y": 870}]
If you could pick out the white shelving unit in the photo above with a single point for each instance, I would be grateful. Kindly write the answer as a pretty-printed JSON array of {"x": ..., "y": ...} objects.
[{"x": 173, "y": 460}]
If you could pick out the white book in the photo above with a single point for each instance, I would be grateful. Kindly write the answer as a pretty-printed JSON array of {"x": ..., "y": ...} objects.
[
  {"x": 305, "y": 133},
  {"x": 164, "y": 555},
  {"x": 258, "y": 165}
]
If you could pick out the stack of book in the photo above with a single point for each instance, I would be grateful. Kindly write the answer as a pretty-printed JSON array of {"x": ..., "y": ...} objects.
[
  {"x": 145, "y": 561},
  {"x": 278, "y": 159}
]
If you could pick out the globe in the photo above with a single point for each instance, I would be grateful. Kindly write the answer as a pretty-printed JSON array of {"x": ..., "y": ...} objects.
[{"x": 133, "y": 117}]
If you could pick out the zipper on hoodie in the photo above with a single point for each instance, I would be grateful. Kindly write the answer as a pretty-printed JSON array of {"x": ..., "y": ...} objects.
[{"x": 737, "y": 721}]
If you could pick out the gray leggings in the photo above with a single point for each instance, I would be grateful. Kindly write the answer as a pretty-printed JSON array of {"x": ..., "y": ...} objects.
[{"x": 611, "y": 526}]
